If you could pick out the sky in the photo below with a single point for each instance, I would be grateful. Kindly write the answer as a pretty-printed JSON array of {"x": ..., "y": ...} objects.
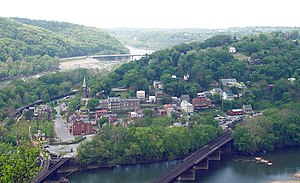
[{"x": 158, "y": 13}]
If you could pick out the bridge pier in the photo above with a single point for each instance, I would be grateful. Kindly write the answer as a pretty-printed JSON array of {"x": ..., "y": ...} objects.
[
  {"x": 188, "y": 175},
  {"x": 227, "y": 148},
  {"x": 202, "y": 165},
  {"x": 215, "y": 155}
]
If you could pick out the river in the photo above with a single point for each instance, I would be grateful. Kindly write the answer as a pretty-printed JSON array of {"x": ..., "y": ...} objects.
[
  {"x": 90, "y": 63},
  {"x": 231, "y": 169}
]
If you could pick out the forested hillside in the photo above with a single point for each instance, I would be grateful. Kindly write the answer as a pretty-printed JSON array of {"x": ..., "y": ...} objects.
[
  {"x": 92, "y": 40},
  {"x": 263, "y": 63},
  {"x": 28, "y": 49}
]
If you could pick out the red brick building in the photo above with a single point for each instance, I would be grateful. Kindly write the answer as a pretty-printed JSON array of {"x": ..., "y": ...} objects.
[
  {"x": 200, "y": 103},
  {"x": 79, "y": 124},
  {"x": 80, "y": 128}
]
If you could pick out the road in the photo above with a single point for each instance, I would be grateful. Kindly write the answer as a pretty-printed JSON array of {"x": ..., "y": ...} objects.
[{"x": 60, "y": 127}]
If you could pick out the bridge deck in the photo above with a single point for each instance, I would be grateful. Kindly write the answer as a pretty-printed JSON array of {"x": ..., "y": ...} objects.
[
  {"x": 45, "y": 172},
  {"x": 195, "y": 158}
]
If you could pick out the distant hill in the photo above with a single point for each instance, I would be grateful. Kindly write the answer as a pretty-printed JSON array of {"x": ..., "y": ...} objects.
[
  {"x": 158, "y": 39},
  {"x": 24, "y": 37}
]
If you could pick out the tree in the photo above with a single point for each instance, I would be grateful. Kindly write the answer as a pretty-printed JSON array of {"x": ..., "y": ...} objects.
[
  {"x": 18, "y": 164},
  {"x": 92, "y": 104}
]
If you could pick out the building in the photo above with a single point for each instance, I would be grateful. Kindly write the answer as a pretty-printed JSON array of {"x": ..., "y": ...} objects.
[
  {"x": 42, "y": 112},
  {"x": 85, "y": 89},
  {"x": 185, "y": 97},
  {"x": 232, "y": 50},
  {"x": 186, "y": 106},
  {"x": 158, "y": 87},
  {"x": 233, "y": 112},
  {"x": 247, "y": 109},
  {"x": 161, "y": 112},
  {"x": 228, "y": 95},
  {"x": 152, "y": 99},
  {"x": 79, "y": 124},
  {"x": 114, "y": 103},
  {"x": 216, "y": 91},
  {"x": 201, "y": 103},
  {"x": 117, "y": 104},
  {"x": 140, "y": 94},
  {"x": 103, "y": 104},
  {"x": 175, "y": 101},
  {"x": 228, "y": 82},
  {"x": 292, "y": 80},
  {"x": 138, "y": 113},
  {"x": 100, "y": 113}
]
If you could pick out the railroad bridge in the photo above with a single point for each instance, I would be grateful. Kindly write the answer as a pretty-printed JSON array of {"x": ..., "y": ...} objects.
[
  {"x": 50, "y": 167},
  {"x": 199, "y": 160}
]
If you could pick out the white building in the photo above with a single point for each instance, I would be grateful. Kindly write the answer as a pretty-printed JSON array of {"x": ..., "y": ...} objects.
[
  {"x": 140, "y": 94},
  {"x": 152, "y": 99},
  {"x": 232, "y": 50},
  {"x": 186, "y": 106}
]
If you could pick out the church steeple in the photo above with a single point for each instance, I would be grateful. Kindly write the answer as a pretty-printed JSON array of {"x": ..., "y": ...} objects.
[{"x": 85, "y": 89}]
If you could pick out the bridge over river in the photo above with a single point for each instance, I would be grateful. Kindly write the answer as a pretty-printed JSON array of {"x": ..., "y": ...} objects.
[{"x": 199, "y": 159}]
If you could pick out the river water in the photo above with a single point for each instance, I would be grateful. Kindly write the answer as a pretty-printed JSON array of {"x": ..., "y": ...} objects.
[{"x": 231, "y": 169}]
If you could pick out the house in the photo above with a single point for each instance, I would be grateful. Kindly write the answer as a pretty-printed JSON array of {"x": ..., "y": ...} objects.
[
  {"x": 228, "y": 95},
  {"x": 186, "y": 77},
  {"x": 233, "y": 112},
  {"x": 216, "y": 91},
  {"x": 43, "y": 112},
  {"x": 100, "y": 113},
  {"x": 185, "y": 97},
  {"x": 170, "y": 111},
  {"x": 152, "y": 99},
  {"x": 232, "y": 50},
  {"x": 201, "y": 103},
  {"x": 175, "y": 100},
  {"x": 174, "y": 77},
  {"x": 228, "y": 82},
  {"x": 138, "y": 113},
  {"x": 186, "y": 106},
  {"x": 158, "y": 85},
  {"x": 140, "y": 94},
  {"x": 206, "y": 94},
  {"x": 79, "y": 124},
  {"x": 39, "y": 136},
  {"x": 247, "y": 109},
  {"x": 166, "y": 106},
  {"x": 292, "y": 80},
  {"x": 161, "y": 112}
]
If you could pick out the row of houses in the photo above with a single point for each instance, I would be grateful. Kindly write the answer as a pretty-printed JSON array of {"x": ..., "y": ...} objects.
[{"x": 119, "y": 104}]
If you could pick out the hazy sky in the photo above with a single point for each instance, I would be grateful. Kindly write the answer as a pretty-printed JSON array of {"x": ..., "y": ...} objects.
[{"x": 159, "y": 13}]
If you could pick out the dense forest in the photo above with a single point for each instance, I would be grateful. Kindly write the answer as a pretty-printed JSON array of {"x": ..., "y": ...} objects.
[
  {"x": 153, "y": 141},
  {"x": 33, "y": 46},
  {"x": 275, "y": 128}
]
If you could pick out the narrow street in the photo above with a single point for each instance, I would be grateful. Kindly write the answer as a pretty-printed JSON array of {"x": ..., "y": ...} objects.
[{"x": 60, "y": 127}]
